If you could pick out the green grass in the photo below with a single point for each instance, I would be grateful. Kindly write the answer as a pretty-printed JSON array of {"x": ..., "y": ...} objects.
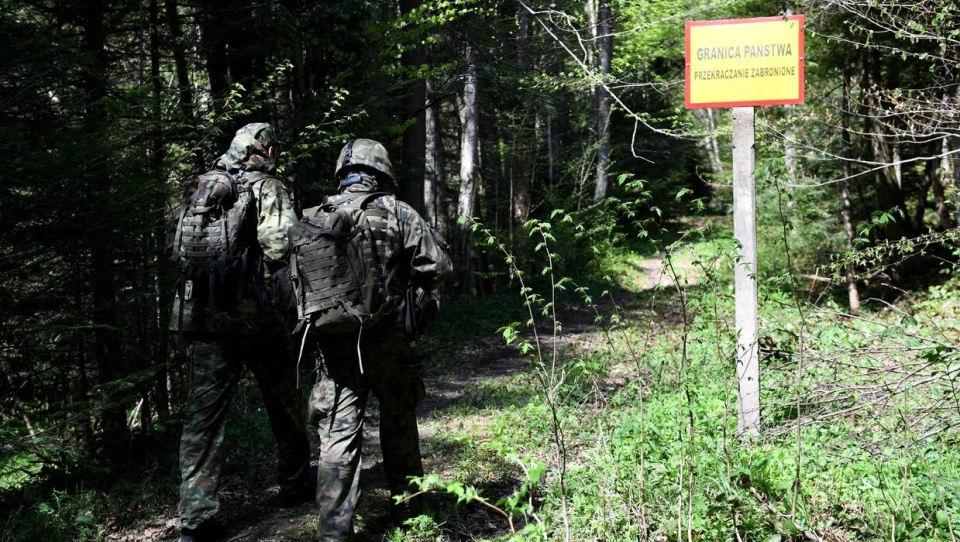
[{"x": 859, "y": 434}]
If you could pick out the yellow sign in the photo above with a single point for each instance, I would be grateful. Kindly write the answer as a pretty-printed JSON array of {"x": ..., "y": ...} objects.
[{"x": 744, "y": 62}]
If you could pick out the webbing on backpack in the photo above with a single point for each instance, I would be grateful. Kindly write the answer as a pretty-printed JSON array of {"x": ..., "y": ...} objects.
[
  {"x": 333, "y": 259},
  {"x": 338, "y": 265},
  {"x": 214, "y": 239}
]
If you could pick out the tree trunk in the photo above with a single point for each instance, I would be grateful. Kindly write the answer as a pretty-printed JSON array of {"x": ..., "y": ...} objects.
[
  {"x": 469, "y": 151},
  {"x": 790, "y": 164},
  {"x": 107, "y": 344},
  {"x": 930, "y": 178},
  {"x": 846, "y": 213},
  {"x": 940, "y": 185},
  {"x": 711, "y": 143},
  {"x": 956, "y": 178},
  {"x": 213, "y": 49},
  {"x": 154, "y": 327},
  {"x": 956, "y": 169},
  {"x": 154, "y": 136},
  {"x": 550, "y": 152},
  {"x": 888, "y": 188},
  {"x": 521, "y": 174},
  {"x": 602, "y": 97},
  {"x": 85, "y": 429},
  {"x": 433, "y": 163},
  {"x": 179, "y": 59},
  {"x": 231, "y": 43},
  {"x": 414, "y": 136},
  {"x": 889, "y": 194}
]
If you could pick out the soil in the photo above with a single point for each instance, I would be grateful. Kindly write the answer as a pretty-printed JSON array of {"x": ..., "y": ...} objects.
[{"x": 248, "y": 504}]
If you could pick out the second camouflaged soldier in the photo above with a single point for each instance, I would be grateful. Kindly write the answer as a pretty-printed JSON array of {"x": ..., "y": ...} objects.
[
  {"x": 387, "y": 365},
  {"x": 237, "y": 328}
]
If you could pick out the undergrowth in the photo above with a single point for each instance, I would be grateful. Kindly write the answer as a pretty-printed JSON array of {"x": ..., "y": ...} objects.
[
  {"x": 620, "y": 422},
  {"x": 632, "y": 425}
]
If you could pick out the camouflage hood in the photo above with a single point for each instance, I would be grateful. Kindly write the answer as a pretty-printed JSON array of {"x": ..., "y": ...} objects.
[{"x": 248, "y": 151}]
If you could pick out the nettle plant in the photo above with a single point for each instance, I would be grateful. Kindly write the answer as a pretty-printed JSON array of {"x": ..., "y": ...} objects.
[{"x": 538, "y": 339}]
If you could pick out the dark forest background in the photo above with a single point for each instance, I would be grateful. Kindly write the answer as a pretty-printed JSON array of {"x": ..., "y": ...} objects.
[{"x": 501, "y": 111}]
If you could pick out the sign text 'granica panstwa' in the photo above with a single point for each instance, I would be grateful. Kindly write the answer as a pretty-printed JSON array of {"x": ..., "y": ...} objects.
[{"x": 744, "y": 62}]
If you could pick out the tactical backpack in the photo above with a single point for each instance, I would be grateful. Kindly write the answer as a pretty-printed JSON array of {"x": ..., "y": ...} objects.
[
  {"x": 215, "y": 247},
  {"x": 337, "y": 271}
]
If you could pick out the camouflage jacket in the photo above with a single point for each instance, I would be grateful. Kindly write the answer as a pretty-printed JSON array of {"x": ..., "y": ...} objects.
[{"x": 410, "y": 240}]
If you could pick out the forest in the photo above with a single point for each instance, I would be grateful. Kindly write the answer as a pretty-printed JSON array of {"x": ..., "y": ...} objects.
[{"x": 582, "y": 374}]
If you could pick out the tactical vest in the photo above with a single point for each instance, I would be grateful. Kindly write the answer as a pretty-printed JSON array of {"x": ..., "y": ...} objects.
[{"x": 339, "y": 263}]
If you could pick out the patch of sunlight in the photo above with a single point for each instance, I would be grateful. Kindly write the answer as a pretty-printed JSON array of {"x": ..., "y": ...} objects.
[{"x": 689, "y": 263}]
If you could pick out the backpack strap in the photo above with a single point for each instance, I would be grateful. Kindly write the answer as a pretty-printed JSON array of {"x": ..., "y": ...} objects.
[
  {"x": 393, "y": 283},
  {"x": 175, "y": 256},
  {"x": 390, "y": 274},
  {"x": 250, "y": 177},
  {"x": 387, "y": 276},
  {"x": 182, "y": 294},
  {"x": 302, "y": 319},
  {"x": 350, "y": 199},
  {"x": 245, "y": 183}
]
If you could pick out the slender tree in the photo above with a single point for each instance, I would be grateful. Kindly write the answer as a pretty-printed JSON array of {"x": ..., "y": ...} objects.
[
  {"x": 853, "y": 292},
  {"x": 469, "y": 151},
  {"x": 604, "y": 58},
  {"x": 433, "y": 160},
  {"x": 414, "y": 115}
]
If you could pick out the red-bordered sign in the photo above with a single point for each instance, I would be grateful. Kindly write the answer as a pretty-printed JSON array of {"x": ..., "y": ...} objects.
[{"x": 744, "y": 62}]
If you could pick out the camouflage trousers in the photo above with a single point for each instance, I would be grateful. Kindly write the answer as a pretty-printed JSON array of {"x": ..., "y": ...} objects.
[
  {"x": 216, "y": 363},
  {"x": 392, "y": 371}
]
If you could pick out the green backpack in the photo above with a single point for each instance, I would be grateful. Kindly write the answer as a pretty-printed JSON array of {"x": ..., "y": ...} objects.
[
  {"x": 337, "y": 273},
  {"x": 215, "y": 248}
]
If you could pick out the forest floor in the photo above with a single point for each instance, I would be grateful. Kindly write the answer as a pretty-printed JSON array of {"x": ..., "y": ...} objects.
[
  {"x": 248, "y": 502},
  {"x": 878, "y": 422},
  {"x": 248, "y": 505},
  {"x": 461, "y": 406}
]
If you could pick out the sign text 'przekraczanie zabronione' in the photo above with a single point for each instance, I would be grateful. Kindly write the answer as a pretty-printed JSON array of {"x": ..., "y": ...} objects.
[{"x": 744, "y": 62}]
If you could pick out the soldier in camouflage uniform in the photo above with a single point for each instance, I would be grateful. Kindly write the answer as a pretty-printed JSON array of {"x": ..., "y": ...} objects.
[
  {"x": 222, "y": 341},
  {"x": 388, "y": 364}
]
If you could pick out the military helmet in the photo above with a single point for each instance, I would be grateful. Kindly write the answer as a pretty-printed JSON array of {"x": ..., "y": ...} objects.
[
  {"x": 249, "y": 149},
  {"x": 364, "y": 152}
]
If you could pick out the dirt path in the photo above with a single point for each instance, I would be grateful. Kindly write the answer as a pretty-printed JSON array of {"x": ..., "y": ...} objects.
[
  {"x": 248, "y": 508},
  {"x": 247, "y": 505}
]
